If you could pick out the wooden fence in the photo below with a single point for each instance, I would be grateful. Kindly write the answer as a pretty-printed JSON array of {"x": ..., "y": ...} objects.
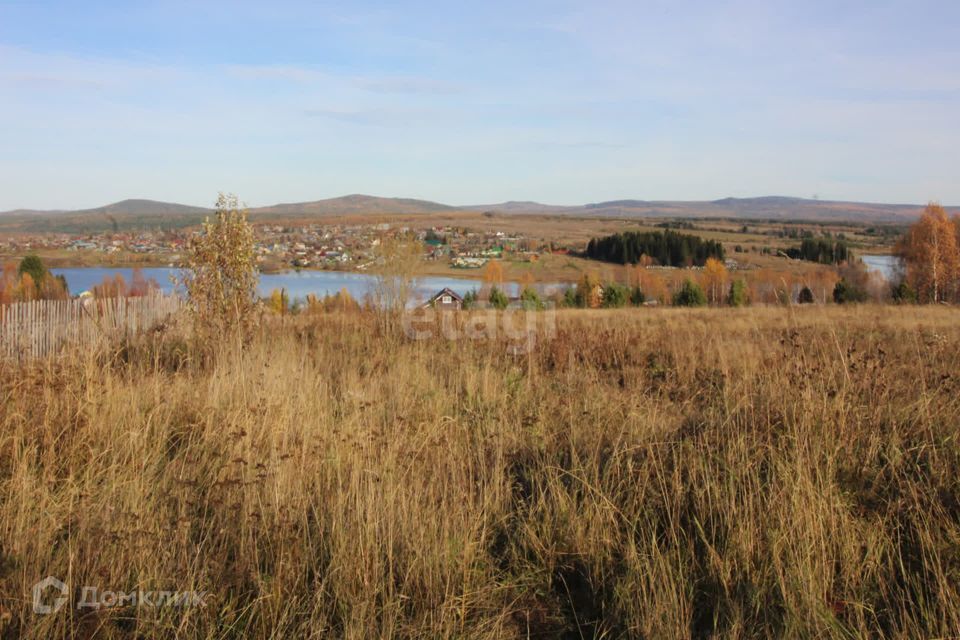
[{"x": 42, "y": 328}]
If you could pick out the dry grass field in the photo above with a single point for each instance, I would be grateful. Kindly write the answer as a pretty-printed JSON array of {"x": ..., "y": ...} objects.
[{"x": 651, "y": 473}]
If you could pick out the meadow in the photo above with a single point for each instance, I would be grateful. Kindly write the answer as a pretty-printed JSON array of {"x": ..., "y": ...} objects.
[{"x": 647, "y": 473}]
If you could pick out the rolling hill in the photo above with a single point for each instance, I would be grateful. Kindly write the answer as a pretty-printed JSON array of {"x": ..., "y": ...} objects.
[
  {"x": 355, "y": 204},
  {"x": 152, "y": 214},
  {"x": 760, "y": 208}
]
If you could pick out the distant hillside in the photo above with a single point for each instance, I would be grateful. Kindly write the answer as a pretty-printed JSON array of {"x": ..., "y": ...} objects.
[
  {"x": 151, "y": 214},
  {"x": 352, "y": 205},
  {"x": 517, "y": 206},
  {"x": 123, "y": 215},
  {"x": 762, "y": 208}
]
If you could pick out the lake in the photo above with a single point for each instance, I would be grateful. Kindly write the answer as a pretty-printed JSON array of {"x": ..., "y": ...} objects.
[
  {"x": 298, "y": 284},
  {"x": 886, "y": 265}
]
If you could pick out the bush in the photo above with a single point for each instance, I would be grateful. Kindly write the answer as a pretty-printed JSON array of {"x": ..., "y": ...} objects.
[
  {"x": 221, "y": 272},
  {"x": 806, "y": 296},
  {"x": 530, "y": 299},
  {"x": 470, "y": 298},
  {"x": 615, "y": 295},
  {"x": 636, "y": 296},
  {"x": 846, "y": 292},
  {"x": 571, "y": 299},
  {"x": 279, "y": 301},
  {"x": 737, "y": 297},
  {"x": 498, "y": 299},
  {"x": 903, "y": 293},
  {"x": 689, "y": 295}
]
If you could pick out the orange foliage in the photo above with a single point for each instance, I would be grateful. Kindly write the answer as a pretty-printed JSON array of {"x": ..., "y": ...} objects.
[
  {"x": 493, "y": 273},
  {"x": 715, "y": 280},
  {"x": 117, "y": 287},
  {"x": 930, "y": 249}
]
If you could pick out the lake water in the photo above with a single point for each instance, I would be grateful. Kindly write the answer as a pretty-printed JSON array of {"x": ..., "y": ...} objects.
[
  {"x": 297, "y": 283},
  {"x": 886, "y": 265}
]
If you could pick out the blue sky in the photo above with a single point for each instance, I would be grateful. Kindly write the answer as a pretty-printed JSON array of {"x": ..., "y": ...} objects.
[{"x": 467, "y": 103}]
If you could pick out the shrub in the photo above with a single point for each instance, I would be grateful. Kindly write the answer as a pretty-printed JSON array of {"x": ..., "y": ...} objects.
[
  {"x": 737, "y": 297},
  {"x": 845, "y": 291},
  {"x": 903, "y": 293},
  {"x": 615, "y": 295},
  {"x": 221, "y": 275},
  {"x": 806, "y": 296},
  {"x": 530, "y": 299},
  {"x": 636, "y": 296},
  {"x": 689, "y": 295},
  {"x": 571, "y": 299},
  {"x": 279, "y": 301},
  {"x": 498, "y": 299}
]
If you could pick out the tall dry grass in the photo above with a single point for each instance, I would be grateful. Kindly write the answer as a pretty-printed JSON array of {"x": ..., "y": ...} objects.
[{"x": 647, "y": 473}]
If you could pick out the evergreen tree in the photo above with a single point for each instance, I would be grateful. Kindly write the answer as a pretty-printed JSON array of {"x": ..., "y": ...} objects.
[
  {"x": 530, "y": 299},
  {"x": 615, "y": 295},
  {"x": 737, "y": 297},
  {"x": 903, "y": 293},
  {"x": 689, "y": 295},
  {"x": 498, "y": 299},
  {"x": 570, "y": 298},
  {"x": 33, "y": 265},
  {"x": 846, "y": 291}
]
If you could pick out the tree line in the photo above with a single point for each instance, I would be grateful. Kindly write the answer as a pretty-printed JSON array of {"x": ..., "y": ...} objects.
[
  {"x": 667, "y": 248},
  {"x": 29, "y": 281},
  {"x": 821, "y": 250}
]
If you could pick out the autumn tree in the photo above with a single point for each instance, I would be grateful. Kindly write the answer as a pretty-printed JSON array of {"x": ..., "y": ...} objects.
[
  {"x": 220, "y": 277},
  {"x": 8, "y": 283},
  {"x": 140, "y": 285},
  {"x": 110, "y": 287},
  {"x": 397, "y": 267},
  {"x": 279, "y": 301},
  {"x": 589, "y": 291},
  {"x": 930, "y": 251},
  {"x": 655, "y": 287},
  {"x": 822, "y": 282},
  {"x": 33, "y": 265},
  {"x": 27, "y": 289},
  {"x": 714, "y": 280},
  {"x": 493, "y": 273}
]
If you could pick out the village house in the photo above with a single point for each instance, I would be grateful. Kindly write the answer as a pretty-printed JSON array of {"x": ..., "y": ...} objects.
[{"x": 445, "y": 300}]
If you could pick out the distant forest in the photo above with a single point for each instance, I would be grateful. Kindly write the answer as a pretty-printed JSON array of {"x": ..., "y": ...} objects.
[
  {"x": 824, "y": 251},
  {"x": 667, "y": 248}
]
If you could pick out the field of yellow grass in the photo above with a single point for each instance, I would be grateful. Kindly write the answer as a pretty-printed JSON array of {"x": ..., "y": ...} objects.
[{"x": 652, "y": 473}]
